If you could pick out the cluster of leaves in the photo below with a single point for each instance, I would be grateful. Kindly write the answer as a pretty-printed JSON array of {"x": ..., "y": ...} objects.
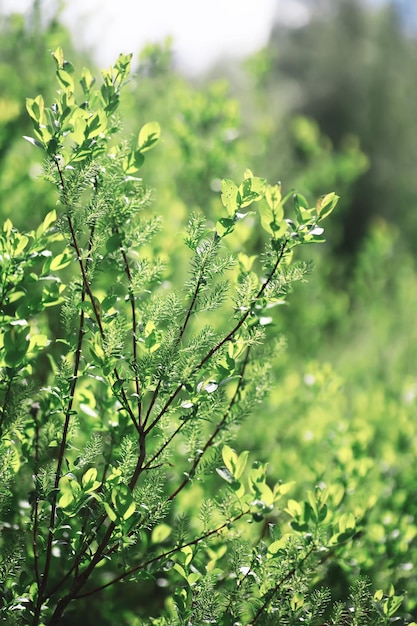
[{"x": 144, "y": 390}]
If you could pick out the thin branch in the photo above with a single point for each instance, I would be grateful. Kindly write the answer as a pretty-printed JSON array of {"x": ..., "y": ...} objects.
[
  {"x": 164, "y": 446},
  {"x": 240, "y": 582},
  {"x": 88, "y": 290},
  {"x": 36, "y": 505},
  {"x": 216, "y": 431},
  {"x": 221, "y": 343},
  {"x": 82, "y": 578},
  {"x": 270, "y": 594},
  {"x": 155, "y": 394},
  {"x": 134, "y": 335},
  {"x": 165, "y": 555},
  {"x": 5, "y": 402},
  {"x": 44, "y": 581},
  {"x": 77, "y": 249}
]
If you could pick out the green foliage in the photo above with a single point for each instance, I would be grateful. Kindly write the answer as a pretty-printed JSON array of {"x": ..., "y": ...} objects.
[
  {"x": 130, "y": 385},
  {"x": 134, "y": 367},
  {"x": 25, "y": 44}
]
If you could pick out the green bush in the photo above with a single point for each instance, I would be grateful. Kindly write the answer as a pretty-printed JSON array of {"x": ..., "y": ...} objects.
[{"x": 118, "y": 419}]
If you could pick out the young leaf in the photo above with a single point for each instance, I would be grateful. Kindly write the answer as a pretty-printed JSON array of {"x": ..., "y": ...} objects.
[
  {"x": 229, "y": 196},
  {"x": 326, "y": 204},
  {"x": 273, "y": 198},
  {"x": 86, "y": 81},
  {"x": 35, "y": 107},
  {"x": 303, "y": 212},
  {"x": 230, "y": 459},
  {"x": 148, "y": 136},
  {"x": 58, "y": 55},
  {"x": 34, "y": 142},
  {"x": 241, "y": 463},
  {"x": 251, "y": 190}
]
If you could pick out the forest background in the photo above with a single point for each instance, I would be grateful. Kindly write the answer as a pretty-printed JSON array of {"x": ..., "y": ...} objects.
[{"x": 327, "y": 106}]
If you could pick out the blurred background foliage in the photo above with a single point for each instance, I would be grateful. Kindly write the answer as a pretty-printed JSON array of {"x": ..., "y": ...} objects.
[{"x": 328, "y": 106}]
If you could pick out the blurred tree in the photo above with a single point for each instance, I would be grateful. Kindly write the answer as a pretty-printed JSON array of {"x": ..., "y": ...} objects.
[{"x": 352, "y": 69}]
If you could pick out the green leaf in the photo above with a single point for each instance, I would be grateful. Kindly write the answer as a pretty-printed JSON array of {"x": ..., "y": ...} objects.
[
  {"x": 49, "y": 219},
  {"x": 15, "y": 296},
  {"x": 263, "y": 493},
  {"x": 378, "y": 595},
  {"x": 123, "y": 502},
  {"x": 245, "y": 261},
  {"x": 230, "y": 459},
  {"x": 87, "y": 80},
  {"x": 58, "y": 55},
  {"x": 272, "y": 220},
  {"x": 66, "y": 500},
  {"x": 110, "y": 512},
  {"x": 225, "y": 226},
  {"x": 71, "y": 495},
  {"x": 65, "y": 79},
  {"x": 281, "y": 489},
  {"x": 129, "y": 511},
  {"x": 391, "y": 605},
  {"x": 133, "y": 162},
  {"x": 160, "y": 533},
  {"x": 16, "y": 345},
  {"x": 60, "y": 261},
  {"x": 186, "y": 555},
  {"x": 148, "y": 136},
  {"x": 229, "y": 196},
  {"x": 251, "y": 190},
  {"x": 297, "y": 601},
  {"x": 138, "y": 159},
  {"x": 193, "y": 578},
  {"x": 347, "y": 522},
  {"x": 303, "y": 212},
  {"x": 241, "y": 464},
  {"x": 294, "y": 508},
  {"x": 79, "y": 129},
  {"x": 181, "y": 571},
  {"x": 279, "y": 545},
  {"x": 273, "y": 198},
  {"x": 38, "y": 342},
  {"x": 89, "y": 481},
  {"x": 326, "y": 204},
  {"x": 96, "y": 125},
  {"x": 35, "y": 107},
  {"x": 20, "y": 243},
  {"x": 34, "y": 142}
]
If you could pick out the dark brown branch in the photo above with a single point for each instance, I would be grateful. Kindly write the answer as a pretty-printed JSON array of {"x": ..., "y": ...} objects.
[
  {"x": 221, "y": 343},
  {"x": 270, "y": 594},
  {"x": 165, "y": 555},
  {"x": 215, "y": 432}
]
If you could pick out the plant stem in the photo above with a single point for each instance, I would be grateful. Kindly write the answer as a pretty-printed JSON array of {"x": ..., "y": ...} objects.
[
  {"x": 270, "y": 594},
  {"x": 178, "y": 340},
  {"x": 62, "y": 447},
  {"x": 221, "y": 343},
  {"x": 215, "y": 432},
  {"x": 165, "y": 555},
  {"x": 134, "y": 336},
  {"x": 82, "y": 578}
]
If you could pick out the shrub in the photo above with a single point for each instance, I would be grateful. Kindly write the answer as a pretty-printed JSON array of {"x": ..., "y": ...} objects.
[{"x": 117, "y": 418}]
